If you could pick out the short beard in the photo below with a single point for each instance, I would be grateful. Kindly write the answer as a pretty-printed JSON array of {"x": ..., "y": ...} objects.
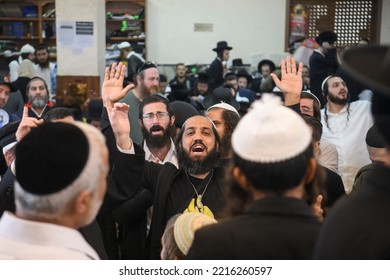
[
  {"x": 38, "y": 103},
  {"x": 44, "y": 64},
  {"x": 197, "y": 166},
  {"x": 157, "y": 141},
  {"x": 338, "y": 100}
]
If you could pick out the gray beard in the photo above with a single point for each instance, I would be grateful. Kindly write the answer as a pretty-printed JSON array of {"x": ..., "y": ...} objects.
[{"x": 38, "y": 103}]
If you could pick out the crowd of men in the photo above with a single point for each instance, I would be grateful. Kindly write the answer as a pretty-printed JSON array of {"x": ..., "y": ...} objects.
[{"x": 249, "y": 168}]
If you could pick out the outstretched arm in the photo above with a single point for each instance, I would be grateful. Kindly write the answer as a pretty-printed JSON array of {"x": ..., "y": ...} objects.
[
  {"x": 291, "y": 82},
  {"x": 112, "y": 91}
]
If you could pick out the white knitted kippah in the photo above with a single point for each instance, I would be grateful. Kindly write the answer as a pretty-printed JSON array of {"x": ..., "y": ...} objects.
[
  {"x": 270, "y": 132},
  {"x": 225, "y": 106}
]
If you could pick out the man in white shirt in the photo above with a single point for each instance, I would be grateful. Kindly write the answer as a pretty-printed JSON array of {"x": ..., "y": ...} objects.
[
  {"x": 46, "y": 69},
  {"x": 57, "y": 191},
  {"x": 345, "y": 125}
]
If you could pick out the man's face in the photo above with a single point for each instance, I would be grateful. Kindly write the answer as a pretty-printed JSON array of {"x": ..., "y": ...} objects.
[
  {"x": 37, "y": 94},
  {"x": 181, "y": 70},
  {"x": 202, "y": 88},
  {"x": 150, "y": 83},
  {"x": 225, "y": 55},
  {"x": 198, "y": 137},
  {"x": 215, "y": 115},
  {"x": 4, "y": 95},
  {"x": 197, "y": 151},
  {"x": 265, "y": 70},
  {"x": 242, "y": 82},
  {"x": 305, "y": 72},
  {"x": 337, "y": 91},
  {"x": 43, "y": 57},
  {"x": 157, "y": 131},
  {"x": 307, "y": 106}
]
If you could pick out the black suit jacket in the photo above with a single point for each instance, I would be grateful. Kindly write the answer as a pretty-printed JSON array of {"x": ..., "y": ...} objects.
[
  {"x": 215, "y": 72},
  {"x": 271, "y": 228}
]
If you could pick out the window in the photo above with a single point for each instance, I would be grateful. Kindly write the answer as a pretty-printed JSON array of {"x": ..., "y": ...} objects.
[{"x": 352, "y": 20}]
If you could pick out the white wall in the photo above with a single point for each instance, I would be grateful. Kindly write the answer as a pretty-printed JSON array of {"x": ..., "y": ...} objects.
[{"x": 249, "y": 26}]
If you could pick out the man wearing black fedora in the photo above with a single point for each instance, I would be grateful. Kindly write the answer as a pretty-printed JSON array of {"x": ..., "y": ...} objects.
[
  {"x": 216, "y": 70},
  {"x": 358, "y": 226},
  {"x": 323, "y": 62}
]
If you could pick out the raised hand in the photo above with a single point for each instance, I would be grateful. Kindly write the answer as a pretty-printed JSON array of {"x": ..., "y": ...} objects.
[
  {"x": 317, "y": 208},
  {"x": 291, "y": 82},
  {"x": 26, "y": 124},
  {"x": 112, "y": 88}
]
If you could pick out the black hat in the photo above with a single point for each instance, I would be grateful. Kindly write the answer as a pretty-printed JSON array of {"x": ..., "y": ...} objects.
[
  {"x": 179, "y": 92},
  {"x": 203, "y": 78},
  {"x": 220, "y": 94},
  {"x": 237, "y": 62},
  {"x": 374, "y": 138},
  {"x": 244, "y": 73},
  {"x": 266, "y": 62},
  {"x": 326, "y": 36},
  {"x": 7, "y": 134},
  {"x": 146, "y": 65},
  {"x": 371, "y": 66},
  {"x": 51, "y": 157},
  {"x": 222, "y": 45},
  {"x": 182, "y": 111}
]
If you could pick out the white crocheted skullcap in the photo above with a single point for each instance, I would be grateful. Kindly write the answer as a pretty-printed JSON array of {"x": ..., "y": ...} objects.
[
  {"x": 324, "y": 82},
  {"x": 224, "y": 106},
  {"x": 185, "y": 227},
  {"x": 270, "y": 132}
]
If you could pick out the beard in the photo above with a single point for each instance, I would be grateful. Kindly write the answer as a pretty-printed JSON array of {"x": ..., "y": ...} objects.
[
  {"x": 38, "y": 101},
  {"x": 147, "y": 91},
  {"x": 157, "y": 141},
  {"x": 225, "y": 146},
  {"x": 337, "y": 100},
  {"x": 44, "y": 64},
  {"x": 197, "y": 166}
]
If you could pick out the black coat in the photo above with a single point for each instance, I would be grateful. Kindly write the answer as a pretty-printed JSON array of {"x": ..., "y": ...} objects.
[
  {"x": 271, "y": 228},
  {"x": 215, "y": 72},
  {"x": 358, "y": 226},
  {"x": 131, "y": 173}
]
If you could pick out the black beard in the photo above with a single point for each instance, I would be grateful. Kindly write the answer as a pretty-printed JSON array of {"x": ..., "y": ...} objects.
[
  {"x": 338, "y": 100},
  {"x": 157, "y": 141},
  {"x": 44, "y": 64},
  {"x": 225, "y": 145},
  {"x": 197, "y": 166}
]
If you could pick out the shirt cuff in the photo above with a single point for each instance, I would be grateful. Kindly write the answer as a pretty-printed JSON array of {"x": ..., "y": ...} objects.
[{"x": 129, "y": 152}]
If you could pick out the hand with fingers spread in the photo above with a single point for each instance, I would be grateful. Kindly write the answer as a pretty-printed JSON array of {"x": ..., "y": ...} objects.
[
  {"x": 26, "y": 124},
  {"x": 112, "y": 88},
  {"x": 291, "y": 81}
]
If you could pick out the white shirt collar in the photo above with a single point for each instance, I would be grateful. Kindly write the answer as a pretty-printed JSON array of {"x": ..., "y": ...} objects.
[{"x": 170, "y": 157}]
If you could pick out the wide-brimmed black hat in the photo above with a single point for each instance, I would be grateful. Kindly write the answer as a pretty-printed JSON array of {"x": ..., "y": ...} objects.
[
  {"x": 371, "y": 66},
  {"x": 237, "y": 62},
  {"x": 326, "y": 36},
  {"x": 12, "y": 88},
  {"x": 244, "y": 73},
  {"x": 203, "y": 78},
  {"x": 222, "y": 45},
  {"x": 266, "y": 62},
  {"x": 220, "y": 94}
]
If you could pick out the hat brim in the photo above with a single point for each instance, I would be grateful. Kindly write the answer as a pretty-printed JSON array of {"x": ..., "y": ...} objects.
[
  {"x": 223, "y": 48},
  {"x": 266, "y": 62},
  {"x": 209, "y": 101},
  {"x": 370, "y": 65},
  {"x": 12, "y": 88}
]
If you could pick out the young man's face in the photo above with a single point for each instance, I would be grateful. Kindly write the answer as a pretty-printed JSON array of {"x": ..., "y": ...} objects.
[
  {"x": 42, "y": 57},
  {"x": 4, "y": 95},
  {"x": 337, "y": 91}
]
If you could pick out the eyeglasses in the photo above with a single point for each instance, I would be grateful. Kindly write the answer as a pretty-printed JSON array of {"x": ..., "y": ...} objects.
[
  {"x": 147, "y": 64},
  {"x": 159, "y": 115}
]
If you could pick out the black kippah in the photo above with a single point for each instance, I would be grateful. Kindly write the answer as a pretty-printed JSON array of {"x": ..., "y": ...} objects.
[
  {"x": 374, "y": 138},
  {"x": 50, "y": 157}
]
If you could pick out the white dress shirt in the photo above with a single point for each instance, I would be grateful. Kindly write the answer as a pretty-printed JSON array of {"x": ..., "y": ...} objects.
[
  {"x": 348, "y": 134},
  {"x": 30, "y": 240}
]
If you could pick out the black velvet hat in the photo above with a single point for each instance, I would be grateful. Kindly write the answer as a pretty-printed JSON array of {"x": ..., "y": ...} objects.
[
  {"x": 244, "y": 73},
  {"x": 203, "y": 78},
  {"x": 182, "y": 111},
  {"x": 222, "y": 45},
  {"x": 266, "y": 62},
  {"x": 371, "y": 66},
  {"x": 220, "y": 94},
  {"x": 326, "y": 36},
  {"x": 51, "y": 157}
]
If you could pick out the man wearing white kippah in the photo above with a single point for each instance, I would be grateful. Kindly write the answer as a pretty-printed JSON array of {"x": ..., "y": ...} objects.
[{"x": 272, "y": 174}]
